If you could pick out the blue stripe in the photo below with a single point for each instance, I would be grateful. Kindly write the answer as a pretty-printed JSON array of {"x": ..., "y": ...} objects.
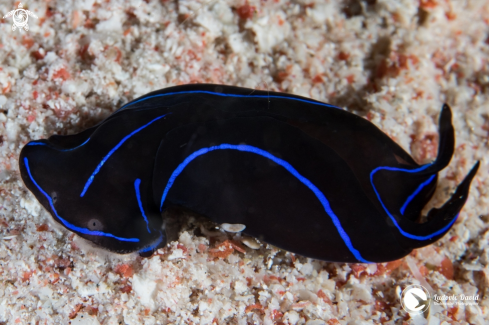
[
  {"x": 404, "y": 233},
  {"x": 136, "y": 186},
  {"x": 283, "y": 163},
  {"x": 47, "y": 145},
  {"x": 412, "y": 196},
  {"x": 70, "y": 225},
  {"x": 228, "y": 95},
  {"x": 153, "y": 246},
  {"x": 95, "y": 172}
]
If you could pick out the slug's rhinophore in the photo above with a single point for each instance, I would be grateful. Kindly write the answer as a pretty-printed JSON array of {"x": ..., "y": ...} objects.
[{"x": 300, "y": 174}]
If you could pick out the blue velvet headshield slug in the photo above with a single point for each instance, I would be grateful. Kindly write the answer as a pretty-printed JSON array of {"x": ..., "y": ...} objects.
[{"x": 300, "y": 174}]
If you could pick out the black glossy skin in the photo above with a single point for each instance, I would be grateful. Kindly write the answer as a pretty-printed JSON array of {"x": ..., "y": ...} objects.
[{"x": 333, "y": 149}]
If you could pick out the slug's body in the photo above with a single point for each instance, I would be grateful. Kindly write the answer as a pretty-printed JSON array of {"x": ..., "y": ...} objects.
[{"x": 303, "y": 175}]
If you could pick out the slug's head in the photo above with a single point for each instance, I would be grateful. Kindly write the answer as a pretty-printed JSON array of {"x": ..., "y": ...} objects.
[{"x": 111, "y": 216}]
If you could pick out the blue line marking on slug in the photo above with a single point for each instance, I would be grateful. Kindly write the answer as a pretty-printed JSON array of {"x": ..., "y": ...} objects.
[
  {"x": 97, "y": 169},
  {"x": 152, "y": 246},
  {"x": 37, "y": 144},
  {"x": 68, "y": 224},
  {"x": 283, "y": 163},
  {"x": 136, "y": 187},
  {"x": 404, "y": 233},
  {"x": 412, "y": 196},
  {"x": 228, "y": 95},
  {"x": 47, "y": 145}
]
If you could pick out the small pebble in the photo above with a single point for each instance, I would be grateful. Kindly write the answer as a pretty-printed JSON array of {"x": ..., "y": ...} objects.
[
  {"x": 250, "y": 242},
  {"x": 236, "y": 227}
]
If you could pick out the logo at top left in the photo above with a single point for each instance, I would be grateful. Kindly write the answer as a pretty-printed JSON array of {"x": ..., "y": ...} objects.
[{"x": 20, "y": 17}]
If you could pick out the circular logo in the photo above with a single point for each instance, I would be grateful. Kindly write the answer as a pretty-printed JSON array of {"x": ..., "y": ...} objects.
[
  {"x": 20, "y": 18},
  {"x": 415, "y": 299}
]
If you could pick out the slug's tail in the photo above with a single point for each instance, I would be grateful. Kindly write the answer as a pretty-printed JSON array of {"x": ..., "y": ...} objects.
[
  {"x": 404, "y": 204},
  {"x": 440, "y": 220}
]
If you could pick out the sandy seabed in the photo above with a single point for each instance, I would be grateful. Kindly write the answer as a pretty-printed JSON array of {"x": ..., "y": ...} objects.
[{"x": 393, "y": 62}]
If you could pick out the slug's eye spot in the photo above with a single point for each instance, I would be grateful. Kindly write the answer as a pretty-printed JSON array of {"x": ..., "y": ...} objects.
[
  {"x": 95, "y": 224},
  {"x": 54, "y": 197}
]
